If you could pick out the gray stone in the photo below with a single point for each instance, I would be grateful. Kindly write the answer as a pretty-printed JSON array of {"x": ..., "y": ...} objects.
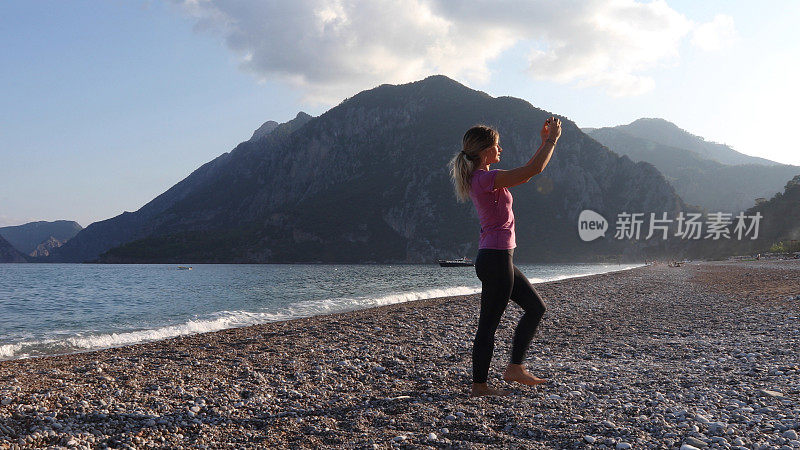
[
  {"x": 769, "y": 393},
  {"x": 716, "y": 427},
  {"x": 694, "y": 442},
  {"x": 701, "y": 418}
]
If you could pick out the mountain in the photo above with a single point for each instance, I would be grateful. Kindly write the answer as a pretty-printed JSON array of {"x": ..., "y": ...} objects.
[
  {"x": 9, "y": 254},
  {"x": 778, "y": 230},
  {"x": 46, "y": 247},
  {"x": 289, "y": 127},
  {"x": 367, "y": 181},
  {"x": 781, "y": 214},
  {"x": 265, "y": 129},
  {"x": 667, "y": 133},
  {"x": 100, "y": 236},
  {"x": 700, "y": 181},
  {"x": 27, "y": 237}
]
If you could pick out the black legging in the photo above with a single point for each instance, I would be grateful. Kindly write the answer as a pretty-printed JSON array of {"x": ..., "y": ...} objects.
[{"x": 502, "y": 280}]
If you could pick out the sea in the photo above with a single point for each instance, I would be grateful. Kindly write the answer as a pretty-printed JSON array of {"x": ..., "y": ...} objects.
[{"x": 48, "y": 309}]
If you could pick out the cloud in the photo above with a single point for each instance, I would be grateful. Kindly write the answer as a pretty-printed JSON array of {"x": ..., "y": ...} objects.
[
  {"x": 611, "y": 45},
  {"x": 332, "y": 49},
  {"x": 715, "y": 35}
]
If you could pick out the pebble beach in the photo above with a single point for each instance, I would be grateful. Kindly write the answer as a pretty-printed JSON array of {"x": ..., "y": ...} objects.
[{"x": 706, "y": 355}]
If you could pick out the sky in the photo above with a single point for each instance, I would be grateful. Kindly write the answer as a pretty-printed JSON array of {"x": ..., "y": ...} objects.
[{"x": 107, "y": 104}]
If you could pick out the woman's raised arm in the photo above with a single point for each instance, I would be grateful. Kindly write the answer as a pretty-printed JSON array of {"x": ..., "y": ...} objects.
[{"x": 550, "y": 133}]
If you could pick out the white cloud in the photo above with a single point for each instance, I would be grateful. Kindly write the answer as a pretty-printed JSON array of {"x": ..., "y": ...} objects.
[
  {"x": 332, "y": 49},
  {"x": 715, "y": 35},
  {"x": 610, "y": 45}
]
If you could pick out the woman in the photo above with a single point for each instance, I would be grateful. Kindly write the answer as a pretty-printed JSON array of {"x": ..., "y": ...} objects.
[{"x": 494, "y": 264}]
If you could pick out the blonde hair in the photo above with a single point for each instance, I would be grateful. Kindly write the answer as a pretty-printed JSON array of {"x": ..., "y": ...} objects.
[{"x": 464, "y": 163}]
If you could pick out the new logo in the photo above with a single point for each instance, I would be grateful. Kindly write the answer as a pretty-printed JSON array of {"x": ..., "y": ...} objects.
[{"x": 591, "y": 225}]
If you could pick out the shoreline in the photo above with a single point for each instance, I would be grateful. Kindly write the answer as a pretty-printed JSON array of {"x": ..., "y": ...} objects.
[
  {"x": 161, "y": 328},
  {"x": 651, "y": 357}
]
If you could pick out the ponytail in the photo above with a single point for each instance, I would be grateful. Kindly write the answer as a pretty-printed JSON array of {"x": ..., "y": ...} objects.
[{"x": 464, "y": 163}]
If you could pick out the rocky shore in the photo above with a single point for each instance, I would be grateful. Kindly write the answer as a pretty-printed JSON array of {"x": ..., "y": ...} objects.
[{"x": 699, "y": 356}]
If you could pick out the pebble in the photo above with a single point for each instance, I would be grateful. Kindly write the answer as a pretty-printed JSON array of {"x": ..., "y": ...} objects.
[
  {"x": 769, "y": 393},
  {"x": 716, "y": 427},
  {"x": 263, "y": 384},
  {"x": 694, "y": 442}
]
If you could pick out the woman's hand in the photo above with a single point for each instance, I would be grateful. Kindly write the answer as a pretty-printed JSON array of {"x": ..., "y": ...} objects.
[
  {"x": 545, "y": 131},
  {"x": 553, "y": 126},
  {"x": 551, "y": 131}
]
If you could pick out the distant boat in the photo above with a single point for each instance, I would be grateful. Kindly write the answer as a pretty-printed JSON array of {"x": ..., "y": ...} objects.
[
  {"x": 456, "y": 262},
  {"x": 184, "y": 268}
]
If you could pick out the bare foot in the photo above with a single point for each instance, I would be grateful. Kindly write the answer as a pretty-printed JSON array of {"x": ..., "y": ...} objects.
[
  {"x": 518, "y": 373},
  {"x": 481, "y": 389}
]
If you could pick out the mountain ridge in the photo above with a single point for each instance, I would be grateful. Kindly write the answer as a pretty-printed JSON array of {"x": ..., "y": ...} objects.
[
  {"x": 366, "y": 181},
  {"x": 778, "y": 228},
  {"x": 667, "y": 133},
  {"x": 265, "y": 129},
  {"x": 27, "y": 237},
  {"x": 707, "y": 183}
]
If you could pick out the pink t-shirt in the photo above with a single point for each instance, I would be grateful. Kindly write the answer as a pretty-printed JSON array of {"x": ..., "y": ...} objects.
[{"x": 494, "y": 211}]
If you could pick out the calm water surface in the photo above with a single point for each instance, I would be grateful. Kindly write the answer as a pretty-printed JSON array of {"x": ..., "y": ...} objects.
[{"x": 62, "y": 308}]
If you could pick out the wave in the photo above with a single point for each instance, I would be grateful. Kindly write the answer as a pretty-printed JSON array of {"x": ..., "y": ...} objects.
[
  {"x": 9, "y": 350},
  {"x": 219, "y": 321},
  {"x": 234, "y": 319},
  {"x": 616, "y": 268}
]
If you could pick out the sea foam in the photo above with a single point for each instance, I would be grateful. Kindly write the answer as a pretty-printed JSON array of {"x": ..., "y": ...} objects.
[
  {"x": 233, "y": 319},
  {"x": 219, "y": 321}
]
